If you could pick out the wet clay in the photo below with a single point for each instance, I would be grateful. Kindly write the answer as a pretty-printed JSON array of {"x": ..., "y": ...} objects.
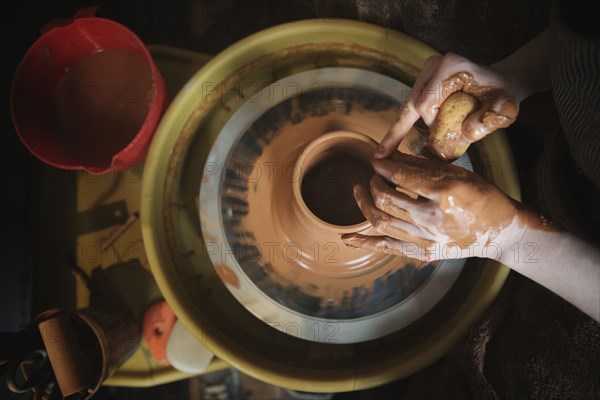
[
  {"x": 474, "y": 213},
  {"x": 289, "y": 254},
  {"x": 533, "y": 220},
  {"x": 455, "y": 207},
  {"x": 283, "y": 232},
  {"x": 327, "y": 187},
  {"x": 102, "y": 102},
  {"x": 463, "y": 207},
  {"x": 227, "y": 275}
]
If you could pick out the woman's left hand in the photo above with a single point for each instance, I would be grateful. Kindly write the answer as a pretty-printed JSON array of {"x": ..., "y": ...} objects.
[{"x": 456, "y": 214}]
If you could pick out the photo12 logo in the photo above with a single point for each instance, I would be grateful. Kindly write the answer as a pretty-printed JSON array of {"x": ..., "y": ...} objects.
[{"x": 269, "y": 252}]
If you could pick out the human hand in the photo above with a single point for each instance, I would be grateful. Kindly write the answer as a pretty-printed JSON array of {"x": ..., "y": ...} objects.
[
  {"x": 457, "y": 213},
  {"x": 440, "y": 77}
]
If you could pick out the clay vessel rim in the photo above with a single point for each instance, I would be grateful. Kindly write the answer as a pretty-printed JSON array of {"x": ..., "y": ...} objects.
[{"x": 313, "y": 148}]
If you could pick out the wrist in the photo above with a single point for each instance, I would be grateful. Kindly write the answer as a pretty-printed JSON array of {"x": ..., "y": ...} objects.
[
  {"x": 526, "y": 234},
  {"x": 514, "y": 79},
  {"x": 510, "y": 236},
  {"x": 528, "y": 67}
]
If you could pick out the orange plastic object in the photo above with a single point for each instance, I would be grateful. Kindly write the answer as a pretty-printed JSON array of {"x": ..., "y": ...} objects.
[{"x": 158, "y": 324}]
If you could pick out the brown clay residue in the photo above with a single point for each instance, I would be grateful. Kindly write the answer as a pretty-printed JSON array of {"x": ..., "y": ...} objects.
[
  {"x": 457, "y": 205},
  {"x": 473, "y": 211},
  {"x": 533, "y": 220},
  {"x": 228, "y": 275},
  {"x": 465, "y": 82}
]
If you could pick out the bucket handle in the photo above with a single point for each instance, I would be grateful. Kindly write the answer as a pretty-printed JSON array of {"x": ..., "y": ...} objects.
[{"x": 87, "y": 12}]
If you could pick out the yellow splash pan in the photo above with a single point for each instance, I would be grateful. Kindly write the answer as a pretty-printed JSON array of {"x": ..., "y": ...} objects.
[{"x": 173, "y": 238}]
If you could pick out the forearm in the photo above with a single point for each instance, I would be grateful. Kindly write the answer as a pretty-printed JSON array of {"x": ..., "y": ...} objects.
[
  {"x": 529, "y": 66},
  {"x": 559, "y": 261}
]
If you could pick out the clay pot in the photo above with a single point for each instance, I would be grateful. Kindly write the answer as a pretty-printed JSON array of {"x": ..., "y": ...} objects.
[{"x": 329, "y": 167}]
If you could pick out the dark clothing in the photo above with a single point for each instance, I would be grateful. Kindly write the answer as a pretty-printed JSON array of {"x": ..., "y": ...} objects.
[{"x": 569, "y": 175}]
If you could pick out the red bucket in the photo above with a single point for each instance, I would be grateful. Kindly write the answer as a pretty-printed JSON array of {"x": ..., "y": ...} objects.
[{"x": 87, "y": 95}]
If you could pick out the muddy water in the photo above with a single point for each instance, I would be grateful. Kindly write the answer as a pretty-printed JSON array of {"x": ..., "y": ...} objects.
[{"x": 102, "y": 102}]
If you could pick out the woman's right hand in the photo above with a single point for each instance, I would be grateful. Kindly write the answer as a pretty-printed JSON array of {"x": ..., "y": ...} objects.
[{"x": 440, "y": 77}]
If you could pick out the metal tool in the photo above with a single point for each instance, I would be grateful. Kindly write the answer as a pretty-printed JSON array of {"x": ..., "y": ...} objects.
[
  {"x": 24, "y": 364},
  {"x": 38, "y": 376}
]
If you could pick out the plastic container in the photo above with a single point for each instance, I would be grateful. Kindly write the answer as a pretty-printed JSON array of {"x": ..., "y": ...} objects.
[{"x": 87, "y": 95}]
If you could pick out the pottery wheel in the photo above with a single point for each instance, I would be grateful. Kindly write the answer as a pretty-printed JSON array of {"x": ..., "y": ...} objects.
[
  {"x": 234, "y": 257},
  {"x": 297, "y": 278}
]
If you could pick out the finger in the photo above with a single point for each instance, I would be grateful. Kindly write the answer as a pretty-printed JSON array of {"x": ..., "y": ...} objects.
[
  {"x": 423, "y": 176},
  {"x": 408, "y": 173},
  {"x": 385, "y": 223},
  {"x": 395, "y": 203},
  {"x": 488, "y": 118},
  {"x": 406, "y": 119},
  {"x": 408, "y": 115},
  {"x": 430, "y": 66},
  {"x": 387, "y": 245}
]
